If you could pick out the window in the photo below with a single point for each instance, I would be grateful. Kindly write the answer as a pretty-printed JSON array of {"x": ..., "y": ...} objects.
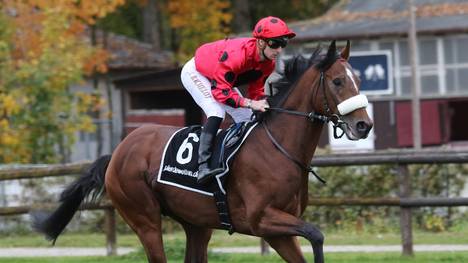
[
  {"x": 427, "y": 52},
  {"x": 360, "y": 46},
  {"x": 449, "y": 50},
  {"x": 462, "y": 44},
  {"x": 450, "y": 76},
  {"x": 388, "y": 46},
  {"x": 456, "y": 65},
  {"x": 463, "y": 80},
  {"x": 428, "y": 67},
  {"x": 404, "y": 54},
  {"x": 405, "y": 86},
  {"x": 429, "y": 85}
]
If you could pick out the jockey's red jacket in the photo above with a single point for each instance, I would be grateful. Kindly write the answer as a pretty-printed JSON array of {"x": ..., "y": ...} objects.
[{"x": 232, "y": 62}]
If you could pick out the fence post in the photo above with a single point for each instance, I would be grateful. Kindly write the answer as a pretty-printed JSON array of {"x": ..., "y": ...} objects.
[
  {"x": 110, "y": 232},
  {"x": 404, "y": 180},
  {"x": 264, "y": 248}
]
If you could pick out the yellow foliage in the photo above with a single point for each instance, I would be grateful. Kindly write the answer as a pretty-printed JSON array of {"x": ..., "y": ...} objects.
[
  {"x": 8, "y": 105},
  {"x": 434, "y": 223},
  {"x": 96, "y": 62},
  {"x": 44, "y": 54},
  {"x": 198, "y": 22}
]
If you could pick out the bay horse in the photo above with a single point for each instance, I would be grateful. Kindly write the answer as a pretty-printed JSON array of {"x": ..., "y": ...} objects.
[{"x": 268, "y": 182}]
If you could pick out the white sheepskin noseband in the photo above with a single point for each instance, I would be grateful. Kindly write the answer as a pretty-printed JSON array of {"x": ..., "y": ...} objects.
[{"x": 352, "y": 104}]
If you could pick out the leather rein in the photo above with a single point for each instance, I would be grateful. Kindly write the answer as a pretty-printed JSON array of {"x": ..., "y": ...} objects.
[{"x": 312, "y": 117}]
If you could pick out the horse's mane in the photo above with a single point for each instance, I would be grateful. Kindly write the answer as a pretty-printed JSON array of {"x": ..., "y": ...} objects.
[{"x": 294, "y": 68}]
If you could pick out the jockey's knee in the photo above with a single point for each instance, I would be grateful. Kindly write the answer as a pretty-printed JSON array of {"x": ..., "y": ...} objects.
[{"x": 211, "y": 111}]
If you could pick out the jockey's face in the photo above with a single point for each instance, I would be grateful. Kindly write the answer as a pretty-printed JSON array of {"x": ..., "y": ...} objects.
[{"x": 270, "y": 52}]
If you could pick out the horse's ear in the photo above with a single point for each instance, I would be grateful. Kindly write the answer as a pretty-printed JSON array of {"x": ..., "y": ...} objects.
[
  {"x": 331, "y": 49},
  {"x": 345, "y": 52}
]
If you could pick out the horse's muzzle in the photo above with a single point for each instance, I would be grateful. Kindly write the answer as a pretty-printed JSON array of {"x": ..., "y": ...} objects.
[{"x": 363, "y": 128}]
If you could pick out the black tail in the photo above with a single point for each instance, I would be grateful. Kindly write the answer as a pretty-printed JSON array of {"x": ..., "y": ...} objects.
[{"x": 91, "y": 184}]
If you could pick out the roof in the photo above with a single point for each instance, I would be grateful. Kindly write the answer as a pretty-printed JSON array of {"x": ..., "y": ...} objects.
[
  {"x": 128, "y": 53},
  {"x": 354, "y": 19}
]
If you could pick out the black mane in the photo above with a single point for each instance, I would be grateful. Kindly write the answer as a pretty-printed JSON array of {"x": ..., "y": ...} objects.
[{"x": 294, "y": 68}]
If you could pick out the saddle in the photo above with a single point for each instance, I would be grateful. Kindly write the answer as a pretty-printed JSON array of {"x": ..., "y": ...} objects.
[{"x": 179, "y": 166}]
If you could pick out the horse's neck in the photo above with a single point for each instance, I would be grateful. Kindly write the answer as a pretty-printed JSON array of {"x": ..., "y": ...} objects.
[{"x": 297, "y": 134}]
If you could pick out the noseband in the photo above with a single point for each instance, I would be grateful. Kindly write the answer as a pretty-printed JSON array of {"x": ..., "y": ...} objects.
[{"x": 345, "y": 107}]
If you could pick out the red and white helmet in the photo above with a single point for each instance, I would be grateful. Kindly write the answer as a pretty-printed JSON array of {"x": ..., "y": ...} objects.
[{"x": 272, "y": 27}]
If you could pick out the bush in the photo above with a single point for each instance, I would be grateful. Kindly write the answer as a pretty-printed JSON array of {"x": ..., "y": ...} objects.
[{"x": 433, "y": 180}]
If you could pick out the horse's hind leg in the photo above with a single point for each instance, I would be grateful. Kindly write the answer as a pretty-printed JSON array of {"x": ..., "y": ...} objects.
[
  {"x": 197, "y": 243},
  {"x": 287, "y": 247},
  {"x": 141, "y": 210}
]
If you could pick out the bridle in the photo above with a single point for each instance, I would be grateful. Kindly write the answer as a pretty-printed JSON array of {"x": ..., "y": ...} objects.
[
  {"x": 314, "y": 116},
  {"x": 323, "y": 118}
]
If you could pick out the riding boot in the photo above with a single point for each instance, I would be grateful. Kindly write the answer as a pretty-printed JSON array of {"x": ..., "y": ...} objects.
[{"x": 205, "y": 150}]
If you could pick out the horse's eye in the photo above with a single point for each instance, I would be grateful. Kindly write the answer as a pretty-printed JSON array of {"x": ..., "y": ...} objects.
[{"x": 337, "y": 82}]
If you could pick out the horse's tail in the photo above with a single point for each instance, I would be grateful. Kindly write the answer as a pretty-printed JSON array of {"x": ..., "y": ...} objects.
[{"x": 90, "y": 184}]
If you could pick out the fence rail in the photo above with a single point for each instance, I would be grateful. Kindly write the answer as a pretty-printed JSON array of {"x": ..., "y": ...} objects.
[
  {"x": 399, "y": 158},
  {"x": 15, "y": 172}
]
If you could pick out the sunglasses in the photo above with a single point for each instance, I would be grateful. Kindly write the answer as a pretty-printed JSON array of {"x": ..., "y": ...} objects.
[{"x": 275, "y": 43}]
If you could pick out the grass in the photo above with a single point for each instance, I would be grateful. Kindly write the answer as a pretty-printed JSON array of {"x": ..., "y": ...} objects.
[
  {"x": 215, "y": 258},
  {"x": 175, "y": 244},
  {"x": 222, "y": 239}
]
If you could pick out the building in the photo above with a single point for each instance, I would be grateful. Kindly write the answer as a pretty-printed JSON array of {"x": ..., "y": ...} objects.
[
  {"x": 442, "y": 28},
  {"x": 129, "y": 59},
  {"x": 371, "y": 26}
]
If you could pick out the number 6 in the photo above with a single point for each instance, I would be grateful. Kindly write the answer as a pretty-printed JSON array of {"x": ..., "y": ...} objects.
[{"x": 186, "y": 146}]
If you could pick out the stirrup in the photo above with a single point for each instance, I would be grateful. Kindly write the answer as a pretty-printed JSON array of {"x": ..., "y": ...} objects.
[{"x": 204, "y": 178}]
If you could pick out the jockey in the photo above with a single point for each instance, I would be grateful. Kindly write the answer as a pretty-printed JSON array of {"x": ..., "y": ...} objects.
[{"x": 218, "y": 67}]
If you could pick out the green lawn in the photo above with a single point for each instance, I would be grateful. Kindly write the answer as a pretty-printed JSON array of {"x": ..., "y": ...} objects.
[
  {"x": 221, "y": 239},
  {"x": 175, "y": 243},
  {"x": 214, "y": 258}
]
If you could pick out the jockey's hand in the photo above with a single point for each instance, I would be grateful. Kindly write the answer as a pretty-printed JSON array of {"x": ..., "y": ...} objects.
[{"x": 259, "y": 105}]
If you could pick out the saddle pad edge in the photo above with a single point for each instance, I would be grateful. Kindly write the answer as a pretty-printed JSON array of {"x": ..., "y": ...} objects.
[{"x": 218, "y": 177}]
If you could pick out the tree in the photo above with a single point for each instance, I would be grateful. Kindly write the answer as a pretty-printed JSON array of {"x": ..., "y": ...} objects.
[
  {"x": 42, "y": 54},
  {"x": 126, "y": 20},
  {"x": 197, "y": 22},
  {"x": 241, "y": 16},
  {"x": 151, "y": 16},
  {"x": 289, "y": 10}
]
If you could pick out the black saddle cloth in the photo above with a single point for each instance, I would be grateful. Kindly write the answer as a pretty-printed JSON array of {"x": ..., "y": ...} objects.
[{"x": 180, "y": 157}]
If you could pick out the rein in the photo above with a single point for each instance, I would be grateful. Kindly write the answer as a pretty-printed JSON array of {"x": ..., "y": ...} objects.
[
  {"x": 308, "y": 169},
  {"x": 312, "y": 116}
]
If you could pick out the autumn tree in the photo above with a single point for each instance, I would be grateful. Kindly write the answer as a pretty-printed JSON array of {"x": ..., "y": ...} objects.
[
  {"x": 289, "y": 10},
  {"x": 197, "y": 22},
  {"x": 43, "y": 52},
  {"x": 241, "y": 16}
]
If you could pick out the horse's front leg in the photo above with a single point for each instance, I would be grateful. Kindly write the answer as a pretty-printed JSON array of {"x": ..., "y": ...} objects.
[
  {"x": 274, "y": 222},
  {"x": 287, "y": 247}
]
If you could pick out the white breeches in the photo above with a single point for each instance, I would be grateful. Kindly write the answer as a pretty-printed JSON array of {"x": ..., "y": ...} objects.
[{"x": 200, "y": 88}]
